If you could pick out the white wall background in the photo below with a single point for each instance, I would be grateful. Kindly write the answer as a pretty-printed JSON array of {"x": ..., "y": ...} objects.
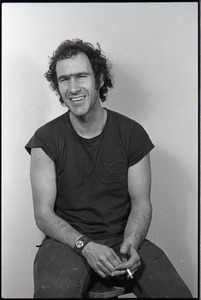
[{"x": 153, "y": 48}]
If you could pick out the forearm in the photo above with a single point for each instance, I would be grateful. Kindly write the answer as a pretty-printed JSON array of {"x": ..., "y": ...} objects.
[
  {"x": 138, "y": 223},
  {"x": 55, "y": 227}
]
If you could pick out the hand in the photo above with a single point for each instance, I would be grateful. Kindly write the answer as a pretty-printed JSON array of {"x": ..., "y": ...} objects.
[
  {"x": 102, "y": 259},
  {"x": 130, "y": 259}
]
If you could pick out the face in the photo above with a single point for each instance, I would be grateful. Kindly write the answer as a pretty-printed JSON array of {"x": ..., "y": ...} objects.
[{"x": 77, "y": 85}]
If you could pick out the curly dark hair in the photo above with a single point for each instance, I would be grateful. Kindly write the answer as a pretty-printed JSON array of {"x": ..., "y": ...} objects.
[{"x": 100, "y": 64}]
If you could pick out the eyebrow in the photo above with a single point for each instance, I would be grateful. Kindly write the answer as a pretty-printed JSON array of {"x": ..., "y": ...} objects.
[{"x": 74, "y": 74}]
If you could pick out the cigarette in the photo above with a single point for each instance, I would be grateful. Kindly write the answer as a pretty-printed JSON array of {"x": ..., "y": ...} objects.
[{"x": 130, "y": 275}]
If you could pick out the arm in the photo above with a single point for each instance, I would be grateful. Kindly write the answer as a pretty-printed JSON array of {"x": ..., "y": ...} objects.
[
  {"x": 139, "y": 186},
  {"x": 44, "y": 190}
]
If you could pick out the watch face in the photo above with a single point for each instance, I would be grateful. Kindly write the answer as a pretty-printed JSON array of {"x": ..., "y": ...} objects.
[{"x": 79, "y": 244}]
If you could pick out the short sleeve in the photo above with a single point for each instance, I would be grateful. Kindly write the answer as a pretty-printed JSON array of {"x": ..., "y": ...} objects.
[
  {"x": 140, "y": 144},
  {"x": 43, "y": 138}
]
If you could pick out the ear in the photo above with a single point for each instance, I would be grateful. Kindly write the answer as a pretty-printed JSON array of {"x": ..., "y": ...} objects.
[{"x": 101, "y": 81}]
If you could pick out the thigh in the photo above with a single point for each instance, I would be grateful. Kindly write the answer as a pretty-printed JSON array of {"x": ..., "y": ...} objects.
[
  {"x": 157, "y": 277},
  {"x": 59, "y": 272}
]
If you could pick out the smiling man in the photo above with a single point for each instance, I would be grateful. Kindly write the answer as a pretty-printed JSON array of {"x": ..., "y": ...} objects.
[
  {"x": 91, "y": 181},
  {"x": 80, "y": 93}
]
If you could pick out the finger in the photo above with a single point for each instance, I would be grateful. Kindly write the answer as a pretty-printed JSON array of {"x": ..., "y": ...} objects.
[
  {"x": 117, "y": 258},
  {"x": 124, "y": 266},
  {"x": 102, "y": 274},
  {"x": 135, "y": 267},
  {"x": 105, "y": 270},
  {"x": 132, "y": 261},
  {"x": 109, "y": 266},
  {"x": 127, "y": 265},
  {"x": 112, "y": 261},
  {"x": 118, "y": 273},
  {"x": 123, "y": 258},
  {"x": 102, "y": 271}
]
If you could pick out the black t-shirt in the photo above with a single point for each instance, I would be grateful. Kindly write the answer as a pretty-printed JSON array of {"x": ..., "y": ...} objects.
[{"x": 92, "y": 188}]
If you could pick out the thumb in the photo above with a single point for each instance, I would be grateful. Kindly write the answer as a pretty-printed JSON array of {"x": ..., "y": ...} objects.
[{"x": 124, "y": 248}]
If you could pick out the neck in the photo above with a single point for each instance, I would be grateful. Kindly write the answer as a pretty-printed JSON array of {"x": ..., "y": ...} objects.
[{"x": 89, "y": 127}]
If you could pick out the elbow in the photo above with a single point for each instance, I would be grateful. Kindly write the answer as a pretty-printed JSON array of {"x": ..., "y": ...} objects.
[
  {"x": 42, "y": 219},
  {"x": 150, "y": 207},
  {"x": 39, "y": 220},
  {"x": 151, "y": 212}
]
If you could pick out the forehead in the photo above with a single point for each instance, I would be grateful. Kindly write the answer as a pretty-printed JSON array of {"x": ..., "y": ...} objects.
[{"x": 75, "y": 64}]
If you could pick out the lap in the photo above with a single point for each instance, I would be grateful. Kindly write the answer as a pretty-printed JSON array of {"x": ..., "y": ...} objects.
[
  {"x": 157, "y": 277},
  {"x": 59, "y": 272}
]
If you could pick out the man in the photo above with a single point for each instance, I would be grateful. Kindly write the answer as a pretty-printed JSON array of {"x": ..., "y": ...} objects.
[{"x": 91, "y": 181}]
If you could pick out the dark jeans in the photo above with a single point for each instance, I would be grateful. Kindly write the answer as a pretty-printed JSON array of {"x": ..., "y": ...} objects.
[{"x": 61, "y": 273}]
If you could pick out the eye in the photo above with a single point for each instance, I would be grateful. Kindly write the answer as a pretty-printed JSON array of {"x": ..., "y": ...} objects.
[
  {"x": 82, "y": 76},
  {"x": 63, "y": 79}
]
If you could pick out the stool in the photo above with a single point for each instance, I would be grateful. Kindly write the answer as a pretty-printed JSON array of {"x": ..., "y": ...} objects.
[{"x": 104, "y": 289}]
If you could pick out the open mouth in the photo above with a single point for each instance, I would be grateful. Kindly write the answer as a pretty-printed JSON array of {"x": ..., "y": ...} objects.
[{"x": 77, "y": 99}]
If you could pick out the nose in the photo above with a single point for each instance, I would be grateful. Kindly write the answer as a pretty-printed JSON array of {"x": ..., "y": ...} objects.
[{"x": 73, "y": 86}]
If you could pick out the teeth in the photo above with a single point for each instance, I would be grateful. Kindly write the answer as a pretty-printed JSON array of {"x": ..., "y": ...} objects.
[{"x": 77, "y": 99}]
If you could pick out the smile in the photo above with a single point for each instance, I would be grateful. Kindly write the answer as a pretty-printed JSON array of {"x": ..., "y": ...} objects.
[{"x": 76, "y": 99}]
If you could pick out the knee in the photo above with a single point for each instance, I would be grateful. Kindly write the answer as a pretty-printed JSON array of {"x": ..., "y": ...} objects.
[
  {"x": 50, "y": 287},
  {"x": 55, "y": 276}
]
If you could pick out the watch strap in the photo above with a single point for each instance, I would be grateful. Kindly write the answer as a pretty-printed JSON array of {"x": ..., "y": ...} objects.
[{"x": 81, "y": 243}]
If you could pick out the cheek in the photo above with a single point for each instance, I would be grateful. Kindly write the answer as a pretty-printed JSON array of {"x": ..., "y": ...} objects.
[{"x": 62, "y": 89}]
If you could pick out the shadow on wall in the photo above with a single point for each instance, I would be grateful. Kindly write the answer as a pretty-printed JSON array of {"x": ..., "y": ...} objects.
[{"x": 172, "y": 190}]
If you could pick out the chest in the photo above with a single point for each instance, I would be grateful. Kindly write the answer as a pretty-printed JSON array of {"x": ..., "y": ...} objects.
[{"x": 101, "y": 160}]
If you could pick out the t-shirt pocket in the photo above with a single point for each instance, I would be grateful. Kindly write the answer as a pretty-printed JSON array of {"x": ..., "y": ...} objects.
[{"x": 114, "y": 170}]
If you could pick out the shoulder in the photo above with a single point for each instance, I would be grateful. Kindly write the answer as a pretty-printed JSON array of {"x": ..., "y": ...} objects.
[
  {"x": 123, "y": 121},
  {"x": 129, "y": 129}
]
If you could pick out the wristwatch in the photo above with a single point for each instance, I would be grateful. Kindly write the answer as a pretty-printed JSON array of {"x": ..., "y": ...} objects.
[{"x": 81, "y": 243}]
